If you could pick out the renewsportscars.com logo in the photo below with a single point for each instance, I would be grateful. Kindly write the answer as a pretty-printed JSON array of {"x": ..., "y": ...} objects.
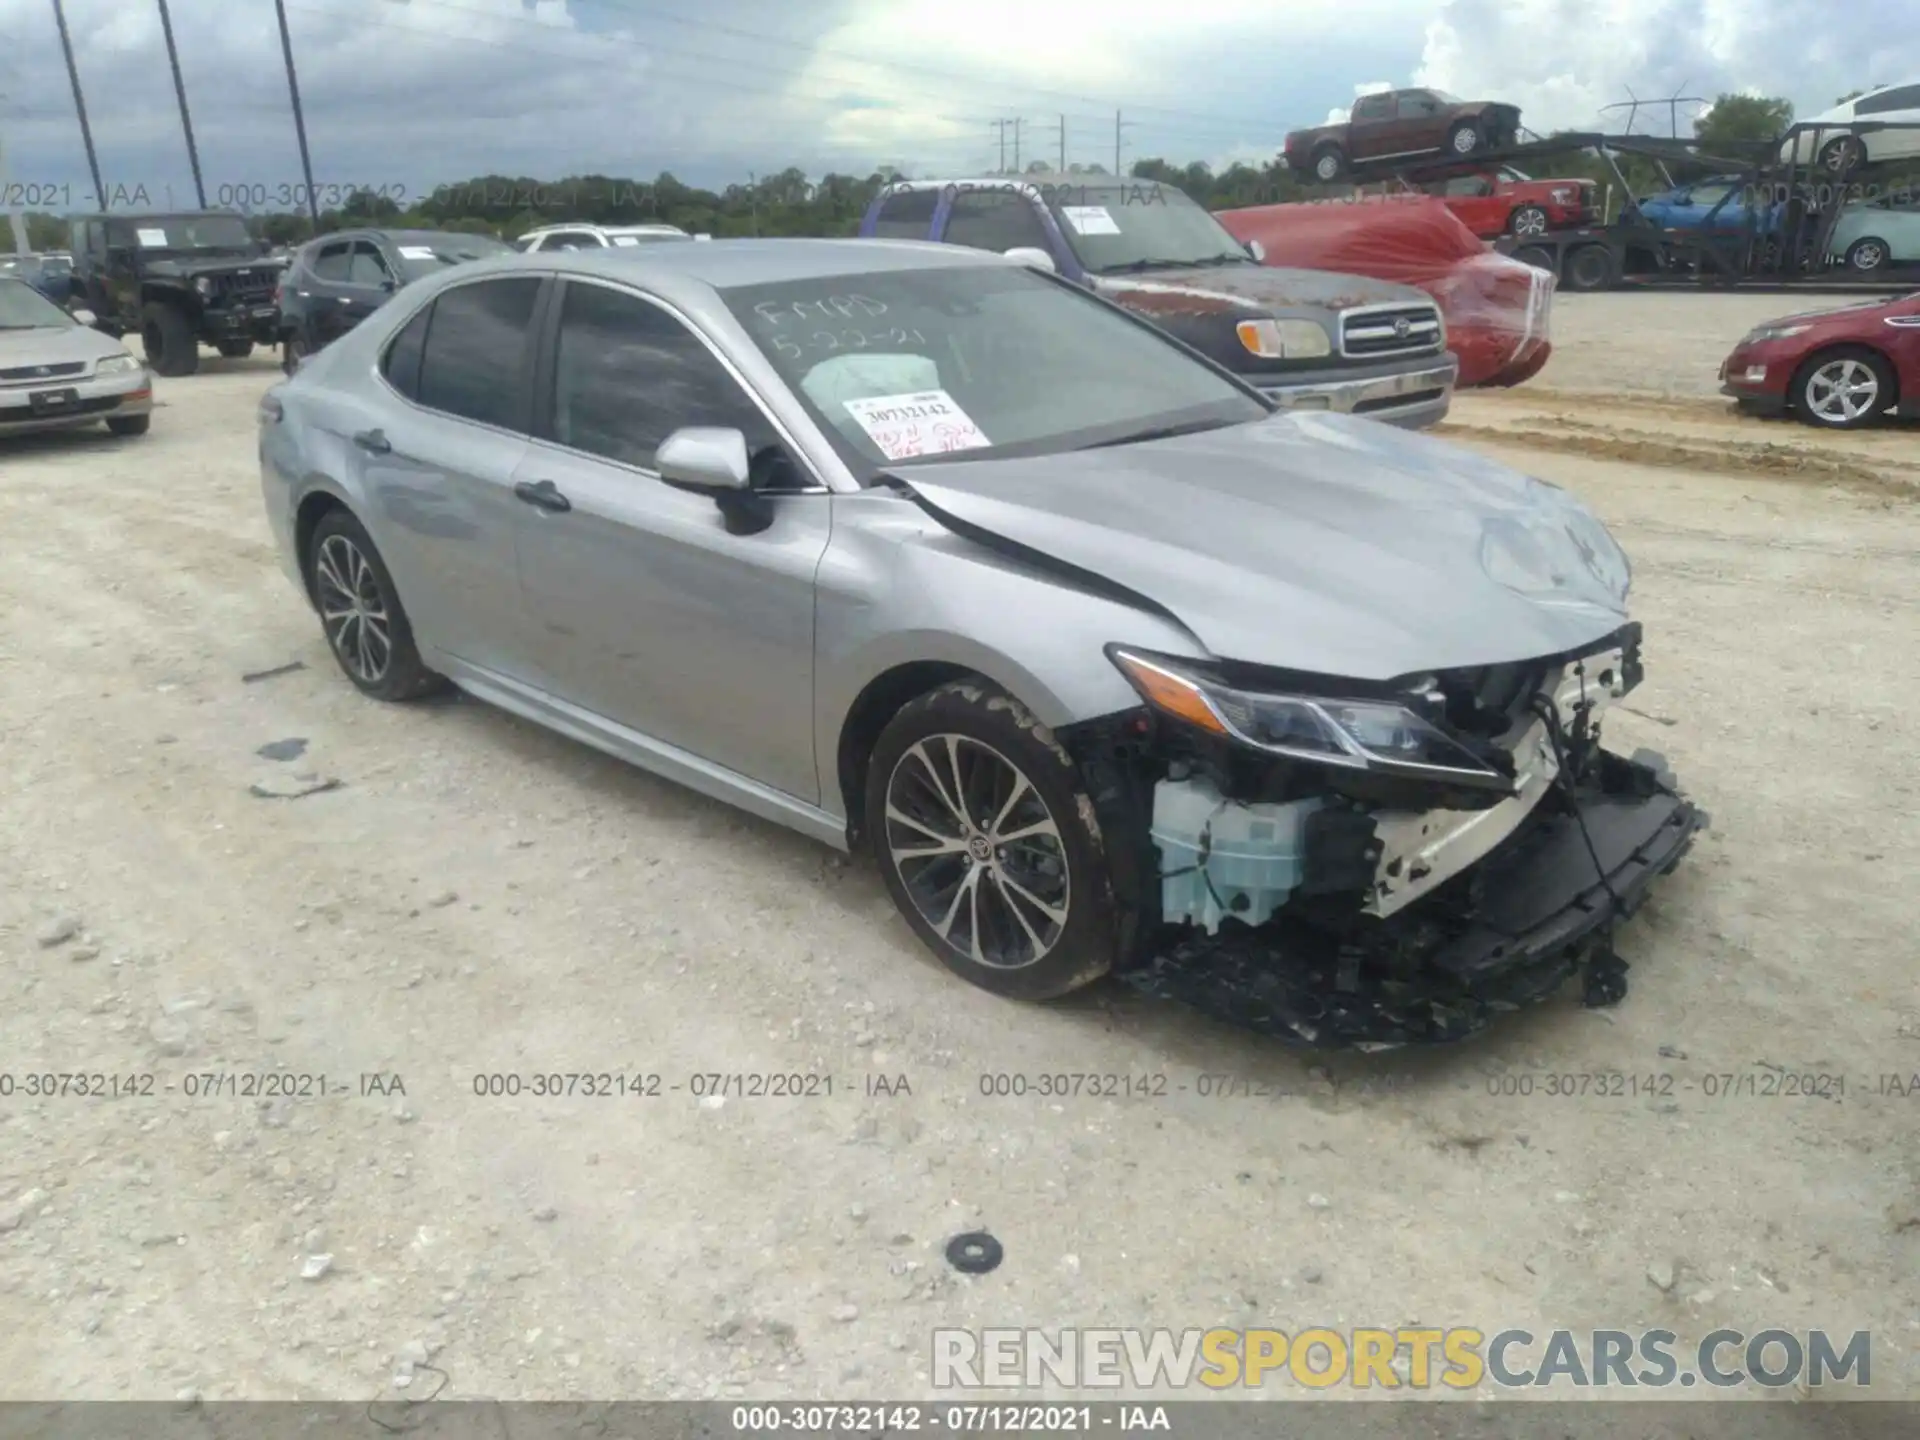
[{"x": 1456, "y": 1358}]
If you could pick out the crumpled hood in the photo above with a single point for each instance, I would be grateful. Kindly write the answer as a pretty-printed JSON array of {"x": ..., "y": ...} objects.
[
  {"x": 55, "y": 347},
  {"x": 1248, "y": 289},
  {"x": 1315, "y": 542}
]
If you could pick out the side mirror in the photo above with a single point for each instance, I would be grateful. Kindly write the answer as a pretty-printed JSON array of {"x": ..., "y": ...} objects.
[
  {"x": 1034, "y": 256},
  {"x": 704, "y": 460},
  {"x": 1257, "y": 250},
  {"x": 86, "y": 317}
]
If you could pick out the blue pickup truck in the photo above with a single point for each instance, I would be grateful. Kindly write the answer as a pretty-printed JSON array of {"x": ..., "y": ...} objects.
[{"x": 1309, "y": 339}]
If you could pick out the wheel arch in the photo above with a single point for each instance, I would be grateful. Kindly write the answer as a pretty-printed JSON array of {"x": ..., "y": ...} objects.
[
  {"x": 314, "y": 507},
  {"x": 1834, "y": 348}
]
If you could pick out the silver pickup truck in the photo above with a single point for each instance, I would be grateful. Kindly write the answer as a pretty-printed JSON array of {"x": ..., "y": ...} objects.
[{"x": 1309, "y": 339}]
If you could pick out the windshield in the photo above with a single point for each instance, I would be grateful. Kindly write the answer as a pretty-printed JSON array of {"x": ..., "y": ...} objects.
[
  {"x": 1137, "y": 226},
  {"x": 648, "y": 237},
  {"x": 423, "y": 255},
  {"x": 975, "y": 362},
  {"x": 183, "y": 232},
  {"x": 24, "y": 308}
]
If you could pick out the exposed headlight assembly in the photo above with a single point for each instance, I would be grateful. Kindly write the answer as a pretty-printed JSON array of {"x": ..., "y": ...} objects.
[
  {"x": 1361, "y": 734},
  {"x": 1284, "y": 339},
  {"x": 117, "y": 365},
  {"x": 1774, "y": 332}
]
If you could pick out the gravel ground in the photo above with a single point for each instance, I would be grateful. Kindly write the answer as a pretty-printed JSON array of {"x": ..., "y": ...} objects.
[{"x": 478, "y": 896}]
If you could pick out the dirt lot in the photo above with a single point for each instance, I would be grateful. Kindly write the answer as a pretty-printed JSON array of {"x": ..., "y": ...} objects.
[{"x": 478, "y": 896}]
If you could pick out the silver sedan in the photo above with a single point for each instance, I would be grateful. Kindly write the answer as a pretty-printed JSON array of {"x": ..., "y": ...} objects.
[
  {"x": 57, "y": 374},
  {"x": 920, "y": 551}
]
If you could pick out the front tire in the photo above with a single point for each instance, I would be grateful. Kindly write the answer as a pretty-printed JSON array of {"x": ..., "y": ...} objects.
[
  {"x": 1589, "y": 268},
  {"x": 987, "y": 842},
  {"x": 127, "y": 425},
  {"x": 166, "y": 334},
  {"x": 1869, "y": 255},
  {"x": 1465, "y": 138},
  {"x": 1841, "y": 157},
  {"x": 1843, "y": 389},
  {"x": 360, "y": 612},
  {"x": 1528, "y": 220}
]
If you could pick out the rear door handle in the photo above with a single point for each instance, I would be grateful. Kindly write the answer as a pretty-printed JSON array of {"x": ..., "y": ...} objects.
[
  {"x": 374, "y": 442},
  {"x": 542, "y": 494}
]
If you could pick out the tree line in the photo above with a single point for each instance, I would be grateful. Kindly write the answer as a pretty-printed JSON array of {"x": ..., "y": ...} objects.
[{"x": 791, "y": 203}]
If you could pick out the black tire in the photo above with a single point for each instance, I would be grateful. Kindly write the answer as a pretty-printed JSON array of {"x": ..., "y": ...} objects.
[
  {"x": 1534, "y": 255},
  {"x": 1329, "y": 163},
  {"x": 1869, "y": 254},
  {"x": 125, "y": 425},
  {"x": 235, "y": 349},
  {"x": 1806, "y": 392},
  {"x": 334, "y": 577},
  {"x": 1069, "y": 935},
  {"x": 167, "y": 336},
  {"x": 1589, "y": 268},
  {"x": 1466, "y": 138},
  {"x": 1528, "y": 220},
  {"x": 1841, "y": 156}
]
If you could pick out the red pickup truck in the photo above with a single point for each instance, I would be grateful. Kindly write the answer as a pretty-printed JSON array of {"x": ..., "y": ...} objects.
[{"x": 1503, "y": 201}]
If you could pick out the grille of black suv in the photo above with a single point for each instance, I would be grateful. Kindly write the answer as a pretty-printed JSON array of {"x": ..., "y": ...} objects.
[
  {"x": 1383, "y": 331},
  {"x": 244, "y": 287}
]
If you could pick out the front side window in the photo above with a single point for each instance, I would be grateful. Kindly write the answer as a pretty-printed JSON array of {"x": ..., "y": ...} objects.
[
  {"x": 975, "y": 361},
  {"x": 997, "y": 220},
  {"x": 476, "y": 351},
  {"x": 627, "y": 374}
]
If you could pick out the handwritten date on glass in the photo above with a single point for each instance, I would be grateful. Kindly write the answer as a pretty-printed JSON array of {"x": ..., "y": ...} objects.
[{"x": 833, "y": 342}]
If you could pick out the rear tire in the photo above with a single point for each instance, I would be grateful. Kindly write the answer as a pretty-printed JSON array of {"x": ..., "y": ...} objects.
[
  {"x": 360, "y": 612},
  {"x": 167, "y": 336},
  {"x": 1535, "y": 256},
  {"x": 987, "y": 842},
  {"x": 292, "y": 350},
  {"x": 1869, "y": 254},
  {"x": 1843, "y": 388},
  {"x": 1329, "y": 163},
  {"x": 126, "y": 425}
]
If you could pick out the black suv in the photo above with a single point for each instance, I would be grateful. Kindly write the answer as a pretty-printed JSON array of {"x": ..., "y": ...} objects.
[
  {"x": 178, "y": 281},
  {"x": 337, "y": 281}
]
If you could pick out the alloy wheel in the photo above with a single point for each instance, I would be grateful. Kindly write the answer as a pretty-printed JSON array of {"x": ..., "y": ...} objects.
[
  {"x": 1530, "y": 221},
  {"x": 1327, "y": 167},
  {"x": 1868, "y": 256},
  {"x": 1465, "y": 140},
  {"x": 978, "y": 852},
  {"x": 352, "y": 609},
  {"x": 1842, "y": 391}
]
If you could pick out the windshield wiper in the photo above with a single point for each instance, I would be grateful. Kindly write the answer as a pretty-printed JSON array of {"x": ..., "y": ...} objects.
[{"x": 1160, "y": 432}]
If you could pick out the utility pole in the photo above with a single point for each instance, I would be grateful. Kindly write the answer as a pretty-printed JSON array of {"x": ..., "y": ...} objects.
[
  {"x": 1063, "y": 144},
  {"x": 1016, "y": 145},
  {"x": 180, "y": 94},
  {"x": 1118, "y": 126},
  {"x": 80, "y": 106},
  {"x": 299, "y": 120},
  {"x": 1001, "y": 127}
]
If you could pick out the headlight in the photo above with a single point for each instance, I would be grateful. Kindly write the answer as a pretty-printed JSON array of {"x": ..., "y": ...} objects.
[
  {"x": 117, "y": 365},
  {"x": 1774, "y": 332},
  {"x": 203, "y": 286},
  {"x": 1284, "y": 339},
  {"x": 1561, "y": 195},
  {"x": 1378, "y": 735}
]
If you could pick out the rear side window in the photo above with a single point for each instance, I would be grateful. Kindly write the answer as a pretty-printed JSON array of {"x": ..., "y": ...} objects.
[
  {"x": 401, "y": 363},
  {"x": 907, "y": 215},
  {"x": 995, "y": 220},
  {"x": 1373, "y": 107},
  {"x": 475, "y": 354},
  {"x": 332, "y": 263},
  {"x": 1905, "y": 97}
]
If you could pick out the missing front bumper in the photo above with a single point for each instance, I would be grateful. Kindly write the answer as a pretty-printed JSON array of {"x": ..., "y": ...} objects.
[{"x": 1442, "y": 970}]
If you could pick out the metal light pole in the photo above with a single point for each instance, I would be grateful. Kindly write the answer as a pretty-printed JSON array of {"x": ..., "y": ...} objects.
[
  {"x": 299, "y": 120},
  {"x": 80, "y": 105},
  {"x": 180, "y": 94}
]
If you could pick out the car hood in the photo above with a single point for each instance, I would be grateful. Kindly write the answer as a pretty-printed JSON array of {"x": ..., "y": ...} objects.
[
  {"x": 1320, "y": 543},
  {"x": 55, "y": 347},
  {"x": 190, "y": 267},
  {"x": 1249, "y": 289},
  {"x": 1814, "y": 317}
]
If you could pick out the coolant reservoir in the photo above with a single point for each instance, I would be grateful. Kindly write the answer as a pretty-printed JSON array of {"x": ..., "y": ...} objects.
[{"x": 1220, "y": 858}]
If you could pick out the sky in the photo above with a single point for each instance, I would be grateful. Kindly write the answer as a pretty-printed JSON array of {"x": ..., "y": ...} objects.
[{"x": 404, "y": 95}]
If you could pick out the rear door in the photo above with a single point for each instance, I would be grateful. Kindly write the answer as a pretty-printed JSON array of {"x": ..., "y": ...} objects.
[
  {"x": 322, "y": 289},
  {"x": 437, "y": 464},
  {"x": 370, "y": 282},
  {"x": 1899, "y": 105},
  {"x": 652, "y": 613},
  {"x": 1371, "y": 131}
]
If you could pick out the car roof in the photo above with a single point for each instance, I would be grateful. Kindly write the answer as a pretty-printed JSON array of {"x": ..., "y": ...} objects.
[
  {"x": 399, "y": 236},
  {"x": 724, "y": 264},
  {"x": 1040, "y": 180}
]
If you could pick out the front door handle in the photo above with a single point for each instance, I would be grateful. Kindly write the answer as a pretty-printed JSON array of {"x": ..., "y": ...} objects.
[
  {"x": 374, "y": 442},
  {"x": 542, "y": 494}
]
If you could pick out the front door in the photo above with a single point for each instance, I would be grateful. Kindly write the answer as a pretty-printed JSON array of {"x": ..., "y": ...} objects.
[{"x": 649, "y": 612}]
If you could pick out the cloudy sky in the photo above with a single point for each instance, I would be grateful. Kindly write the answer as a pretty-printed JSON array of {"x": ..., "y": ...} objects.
[{"x": 406, "y": 94}]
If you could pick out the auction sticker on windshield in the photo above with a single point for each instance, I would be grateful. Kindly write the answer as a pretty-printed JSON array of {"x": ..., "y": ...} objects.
[
  {"x": 1090, "y": 219},
  {"x": 927, "y": 423},
  {"x": 152, "y": 239}
]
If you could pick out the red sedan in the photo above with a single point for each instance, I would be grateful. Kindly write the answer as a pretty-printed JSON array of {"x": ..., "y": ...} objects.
[
  {"x": 1837, "y": 368},
  {"x": 1505, "y": 202}
]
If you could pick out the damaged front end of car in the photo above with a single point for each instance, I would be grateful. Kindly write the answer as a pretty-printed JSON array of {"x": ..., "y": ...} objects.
[{"x": 1346, "y": 864}]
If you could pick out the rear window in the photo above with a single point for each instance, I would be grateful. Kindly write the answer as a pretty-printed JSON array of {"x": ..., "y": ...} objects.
[{"x": 907, "y": 215}]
